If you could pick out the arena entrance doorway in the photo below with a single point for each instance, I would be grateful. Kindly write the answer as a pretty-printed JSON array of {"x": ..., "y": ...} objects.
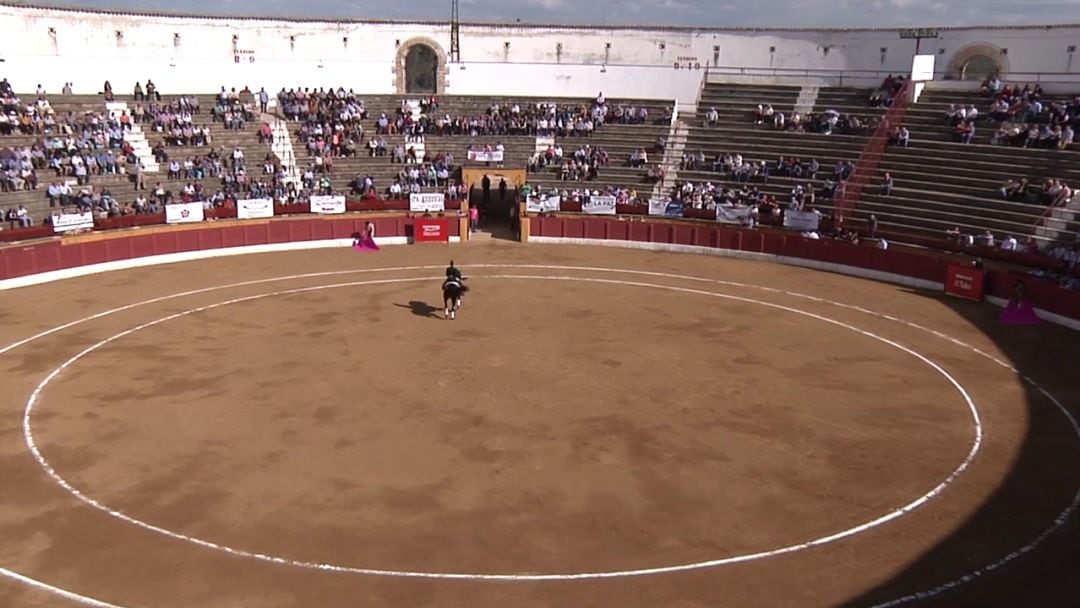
[
  {"x": 421, "y": 70},
  {"x": 496, "y": 193}
]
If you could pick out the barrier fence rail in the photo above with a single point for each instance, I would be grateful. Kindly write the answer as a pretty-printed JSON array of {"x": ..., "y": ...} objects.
[
  {"x": 229, "y": 211},
  {"x": 913, "y": 266},
  {"x": 921, "y": 265}
]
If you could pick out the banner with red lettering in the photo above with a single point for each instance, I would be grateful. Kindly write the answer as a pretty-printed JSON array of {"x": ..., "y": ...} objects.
[
  {"x": 965, "y": 282},
  {"x": 431, "y": 231}
]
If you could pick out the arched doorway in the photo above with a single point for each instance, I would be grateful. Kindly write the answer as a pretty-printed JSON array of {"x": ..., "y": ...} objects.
[
  {"x": 420, "y": 67},
  {"x": 977, "y": 62},
  {"x": 979, "y": 68},
  {"x": 421, "y": 70}
]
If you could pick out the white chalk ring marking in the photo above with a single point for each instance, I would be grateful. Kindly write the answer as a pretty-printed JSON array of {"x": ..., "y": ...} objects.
[{"x": 863, "y": 527}]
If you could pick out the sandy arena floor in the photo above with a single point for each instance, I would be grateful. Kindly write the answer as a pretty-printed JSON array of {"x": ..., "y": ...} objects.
[{"x": 598, "y": 427}]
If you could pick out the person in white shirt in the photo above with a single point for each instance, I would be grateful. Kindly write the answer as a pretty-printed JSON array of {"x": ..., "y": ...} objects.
[
  {"x": 1009, "y": 243},
  {"x": 883, "y": 244},
  {"x": 23, "y": 216}
]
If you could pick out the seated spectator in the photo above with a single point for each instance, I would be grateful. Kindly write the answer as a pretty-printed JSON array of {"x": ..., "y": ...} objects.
[
  {"x": 1014, "y": 190},
  {"x": 886, "y": 184},
  {"x": 22, "y": 216},
  {"x": 964, "y": 132}
]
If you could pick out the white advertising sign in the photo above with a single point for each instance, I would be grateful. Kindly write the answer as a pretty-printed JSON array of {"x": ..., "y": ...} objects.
[
  {"x": 732, "y": 214},
  {"x": 321, "y": 203},
  {"x": 658, "y": 206},
  {"x": 599, "y": 205},
  {"x": 486, "y": 156},
  {"x": 184, "y": 213},
  {"x": 543, "y": 204},
  {"x": 424, "y": 202},
  {"x": 801, "y": 220},
  {"x": 254, "y": 208},
  {"x": 66, "y": 222}
]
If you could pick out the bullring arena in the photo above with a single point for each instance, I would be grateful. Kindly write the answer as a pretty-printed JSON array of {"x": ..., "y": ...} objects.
[
  {"x": 678, "y": 379},
  {"x": 598, "y": 427}
]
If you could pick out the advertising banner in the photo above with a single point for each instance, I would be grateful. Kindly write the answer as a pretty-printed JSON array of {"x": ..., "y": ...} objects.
[
  {"x": 327, "y": 204},
  {"x": 424, "y": 202},
  {"x": 66, "y": 222},
  {"x": 599, "y": 205},
  {"x": 486, "y": 156},
  {"x": 664, "y": 207},
  {"x": 543, "y": 204},
  {"x": 801, "y": 220},
  {"x": 184, "y": 213},
  {"x": 732, "y": 214},
  {"x": 254, "y": 208},
  {"x": 431, "y": 231},
  {"x": 658, "y": 206},
  {"x": 965, "y": 282}
]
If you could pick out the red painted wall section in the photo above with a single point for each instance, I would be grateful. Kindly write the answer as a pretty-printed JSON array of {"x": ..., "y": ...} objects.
[
  {"x": 1045, "y": 295},
  {"x": 16, "y": 261}
]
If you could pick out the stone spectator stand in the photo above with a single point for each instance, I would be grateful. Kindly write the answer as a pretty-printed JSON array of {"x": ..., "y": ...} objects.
[
  {"x": 617, "y": 139},
  {"x": 122, "y": 186},
  {"x": 939, "y": 184}
]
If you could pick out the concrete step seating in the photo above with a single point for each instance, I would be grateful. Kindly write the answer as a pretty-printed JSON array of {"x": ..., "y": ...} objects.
[{"x": 938, "y": 183}]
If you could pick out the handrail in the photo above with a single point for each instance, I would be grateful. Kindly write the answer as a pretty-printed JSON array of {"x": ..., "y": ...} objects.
[
  {"x": 873, "y": 152},
  {"x": 1049, "y": 211}
]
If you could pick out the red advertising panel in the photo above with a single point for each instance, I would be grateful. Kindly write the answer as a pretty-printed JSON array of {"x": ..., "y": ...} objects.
[
  {"x": 965, "y": 282},
  {"x": 431, "y": 231}
]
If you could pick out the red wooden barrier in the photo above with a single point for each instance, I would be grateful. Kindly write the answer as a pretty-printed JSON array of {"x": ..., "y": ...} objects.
[{"x": 1043, "y": 294}]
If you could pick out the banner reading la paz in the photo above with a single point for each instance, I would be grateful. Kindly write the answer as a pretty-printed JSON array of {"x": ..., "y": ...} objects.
[
  {"x": 322, "y": 203},
  {"x": 599, "y": 205},
  {"x": 254, "y": 208},
  {"x": 66, "y": 222},
  {"x": 427, "y": 201},
  {"x": 184, "y": 213}
]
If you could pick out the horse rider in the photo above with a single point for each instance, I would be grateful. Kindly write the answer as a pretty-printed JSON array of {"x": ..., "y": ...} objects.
[
  {"x": 453, "y": 275},
  {"x": 453, "y": 271}
]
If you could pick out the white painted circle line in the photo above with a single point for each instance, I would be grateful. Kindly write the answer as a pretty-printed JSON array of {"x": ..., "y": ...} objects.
[
  {"x": 894, "y": 514},
  {"x": 64, "y": 593}
]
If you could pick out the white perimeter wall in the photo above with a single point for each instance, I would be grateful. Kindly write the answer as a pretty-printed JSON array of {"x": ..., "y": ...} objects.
[{"x": 197, "y": 54}]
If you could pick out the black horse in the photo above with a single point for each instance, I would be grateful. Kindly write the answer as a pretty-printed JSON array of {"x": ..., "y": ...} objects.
[{"x": 452, "y": 290}]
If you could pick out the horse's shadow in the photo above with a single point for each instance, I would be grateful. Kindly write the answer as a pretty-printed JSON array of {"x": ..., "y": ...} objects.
[{"x": 420, "y": 309}]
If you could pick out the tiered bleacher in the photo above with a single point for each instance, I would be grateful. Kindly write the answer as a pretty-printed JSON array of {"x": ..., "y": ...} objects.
[
  {"x": 777, "y": 148},
  {"x": 939, "y": 185}
]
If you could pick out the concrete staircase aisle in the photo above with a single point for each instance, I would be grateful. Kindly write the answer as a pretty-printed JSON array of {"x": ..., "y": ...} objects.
[
  {"x": 1061, "y": 223},
  {"x": 282, "y": 147},
  {"x": 136, "y": 137},
  {"x": 808, "y": 95},
  {"x": 673, "y": 154}
]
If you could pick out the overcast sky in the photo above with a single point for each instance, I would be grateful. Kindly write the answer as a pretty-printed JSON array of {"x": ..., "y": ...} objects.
[{"x": 802, "y": 13}]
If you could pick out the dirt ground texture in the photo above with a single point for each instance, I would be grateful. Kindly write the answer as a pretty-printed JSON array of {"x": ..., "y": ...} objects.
[{"x": 590, "y": 411}]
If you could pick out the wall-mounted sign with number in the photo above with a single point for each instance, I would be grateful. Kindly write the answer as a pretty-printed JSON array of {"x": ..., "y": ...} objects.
[{"x": 687, "y": 63}]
